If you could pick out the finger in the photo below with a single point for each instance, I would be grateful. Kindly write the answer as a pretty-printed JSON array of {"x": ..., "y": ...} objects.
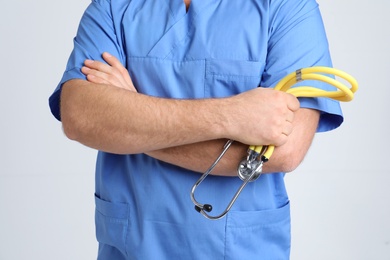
[
  {"x": 115, "y": 63},
  {"x": 94, "y": 79},
  {"x": 288, "y": 128},
  {"x": 110, "y": 74},
  {"x": 293, "y": 103},
  {"x": 283, "y": 138},
  {"x": 96, "y": 76},
  {"x": 290, "y": 116},
  {"x": 112, "y": 60},
  {"x": 99, "y": 66},
  {"x": 105, "y": 71}
]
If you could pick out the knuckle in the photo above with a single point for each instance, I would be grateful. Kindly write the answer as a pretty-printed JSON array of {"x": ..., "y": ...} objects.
[
  {"x": 273, "y": 136},
  {"x": 122, "y": 69},
  {"x": 280, "y": 96}
]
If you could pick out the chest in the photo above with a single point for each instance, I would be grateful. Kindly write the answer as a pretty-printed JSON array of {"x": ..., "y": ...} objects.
[
  {"x": 232, "y": 30},
  {"x": 215, "y": 49}
]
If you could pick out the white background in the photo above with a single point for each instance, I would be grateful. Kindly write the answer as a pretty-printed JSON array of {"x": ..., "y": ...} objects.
[{"x": 340, "y": 195}]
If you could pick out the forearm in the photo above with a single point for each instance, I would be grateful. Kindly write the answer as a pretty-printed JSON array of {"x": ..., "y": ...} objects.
[
  {"x": 198, "y": 157},
  {"x": 287, "y": 157},
  {"x": 120, "y": 121}
]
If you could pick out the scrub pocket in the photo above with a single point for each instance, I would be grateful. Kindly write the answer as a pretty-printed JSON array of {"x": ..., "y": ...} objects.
[
  {"x": 229, "y": 77},
  {"x": 261, "y": 235},
  {"x": 112, "y": 223}
]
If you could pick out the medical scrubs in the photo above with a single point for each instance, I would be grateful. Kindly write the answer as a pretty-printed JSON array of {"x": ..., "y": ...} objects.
[{"x": 217, "y": 48}]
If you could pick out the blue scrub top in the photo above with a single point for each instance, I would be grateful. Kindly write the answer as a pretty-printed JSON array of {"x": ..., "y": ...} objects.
[{"x": 216, "y": 49}]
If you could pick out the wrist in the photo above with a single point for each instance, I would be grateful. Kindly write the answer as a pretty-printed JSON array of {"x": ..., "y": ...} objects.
[{"x": 224, "y": 118}]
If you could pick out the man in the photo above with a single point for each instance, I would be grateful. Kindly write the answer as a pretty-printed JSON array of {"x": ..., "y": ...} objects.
[{"x": 195, "y": 71}]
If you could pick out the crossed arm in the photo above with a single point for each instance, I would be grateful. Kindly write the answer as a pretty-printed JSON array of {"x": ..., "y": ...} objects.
[{"x": 105, "y": 112}]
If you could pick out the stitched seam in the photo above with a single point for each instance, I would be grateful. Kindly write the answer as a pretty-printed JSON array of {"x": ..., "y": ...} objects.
[
  {"x": 225, "y": 249},
  {"x": 127, "y": 231}
]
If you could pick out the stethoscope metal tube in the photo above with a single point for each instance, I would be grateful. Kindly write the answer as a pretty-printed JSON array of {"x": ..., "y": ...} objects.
[
  {"x": 250, "y": 168},
  {"x": 203, "y": 208}
]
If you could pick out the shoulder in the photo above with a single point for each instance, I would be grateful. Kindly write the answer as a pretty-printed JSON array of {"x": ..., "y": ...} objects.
[
  {"x": 111, "y": 9},
  {"x": 292, "y": 6}
]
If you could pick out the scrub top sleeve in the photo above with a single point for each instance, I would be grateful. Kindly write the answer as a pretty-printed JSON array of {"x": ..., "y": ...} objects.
[
  {"x": 97, "y": 33},
  {"x": 297, "y": 39}
]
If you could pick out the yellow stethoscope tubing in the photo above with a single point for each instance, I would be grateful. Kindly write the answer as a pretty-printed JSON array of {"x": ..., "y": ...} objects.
[{"x": 343, "y": 93}]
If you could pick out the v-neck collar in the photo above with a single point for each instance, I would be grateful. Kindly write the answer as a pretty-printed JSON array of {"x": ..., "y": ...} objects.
[
  {"x": 185, "y": 4},
  {"x": 184, "y": 23}
]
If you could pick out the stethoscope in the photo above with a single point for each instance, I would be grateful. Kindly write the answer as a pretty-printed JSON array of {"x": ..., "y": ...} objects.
[{"x": 251, "y": 167}]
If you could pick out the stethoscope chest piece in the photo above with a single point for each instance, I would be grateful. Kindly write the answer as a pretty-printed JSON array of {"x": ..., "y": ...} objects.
[{"x": 249, "y": 170}]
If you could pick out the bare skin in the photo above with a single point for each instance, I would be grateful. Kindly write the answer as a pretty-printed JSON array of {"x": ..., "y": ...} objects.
[
  {"x": 187, "y": 3},
  {"x": 197, "y": 151}
]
